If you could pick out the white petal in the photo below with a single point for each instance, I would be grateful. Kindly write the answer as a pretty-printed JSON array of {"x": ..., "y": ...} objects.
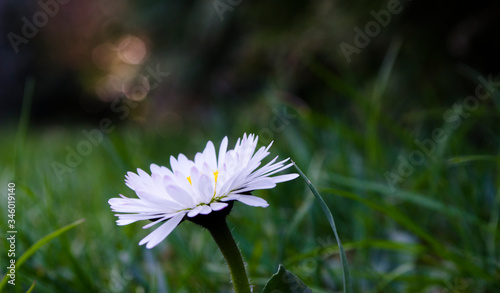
[
  {"x": 209, "y": 156},
  {"x": 155, "y": 222},
  {"x": 181, "y": 180},
  {"x": 263, "y": 169},
  {"x": 184, "y": 164},
  {"x": 217, "y": 206},
  {"x": 155, "y": 198},
  {"x": 206, "y": 169},
  {"x": 155, "y": 168},
  {"x": 279, "y": 170},
  {"x": 144, "y": 176},
  {"x": 180, "y": 195},
  {"x": 125, "y": 219},
  {"x": 231, "y": 197},
  {"x": 253, "y": 201},
  {"x": 205, "y": 188},
  {"x": 183, "y": 160},
  {"x": 230, "y": 161},
  {"x": 222, "y": 152},
  {"x": 161, "y": 232},
  {"x": 194, "y": 212},
  {"x": 161, "y": 219},
  {"x": 283, "y": 178},
  {"x": 205, "y": 210},
  {"x": 173, "y": 164},
  {"x": 133, "y": 180},
  {"x": 198, "y": 159},
  {"x": 224, "y": 188},
  {"x": 262, "y": 183},
  {"x": 135, "y": 205},
  {"x": 121, "y": 222}
]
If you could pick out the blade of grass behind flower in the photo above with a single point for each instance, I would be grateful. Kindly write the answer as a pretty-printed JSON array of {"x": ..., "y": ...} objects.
[
  {"x": 329, "y": 216},
  {"x": 28, "y": 253},
  {"x": 304, "y": 209}
]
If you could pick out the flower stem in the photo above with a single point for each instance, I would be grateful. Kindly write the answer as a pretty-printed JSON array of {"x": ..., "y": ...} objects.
[{"x": 224, "y": 239}]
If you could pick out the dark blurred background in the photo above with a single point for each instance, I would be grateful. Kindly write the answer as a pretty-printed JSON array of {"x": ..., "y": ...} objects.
[{"x": 91, "y": 53}]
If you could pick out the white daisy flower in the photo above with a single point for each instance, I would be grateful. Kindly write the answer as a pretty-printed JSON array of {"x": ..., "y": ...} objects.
[{"x": 199, "y": 187}]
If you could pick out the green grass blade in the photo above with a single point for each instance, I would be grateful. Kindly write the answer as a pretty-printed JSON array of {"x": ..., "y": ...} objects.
[
  {"x": 328, "y": 213},
  {"x": 22, "y": 127},
  {"x": 305, "y": 207},
  {"x": 31, "y": 287},
  {"x": 37, "y": 246}
]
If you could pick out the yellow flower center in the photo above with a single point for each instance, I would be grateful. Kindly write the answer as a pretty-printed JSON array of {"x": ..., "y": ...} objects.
[{"x": 216, "y": 174}]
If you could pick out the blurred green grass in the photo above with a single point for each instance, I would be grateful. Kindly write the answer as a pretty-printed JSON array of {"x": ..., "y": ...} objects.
[{"x": 437, "y": 231}]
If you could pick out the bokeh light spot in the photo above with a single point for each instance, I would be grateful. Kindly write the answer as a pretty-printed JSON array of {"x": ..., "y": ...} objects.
[{"x": 132, "y": 50}]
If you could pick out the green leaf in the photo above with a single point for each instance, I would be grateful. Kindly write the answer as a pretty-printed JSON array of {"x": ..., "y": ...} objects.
[
  {"x": 329, "y": 216},
  {"x": 285, "y": 282},
  {"x": 37, "y": 246}
]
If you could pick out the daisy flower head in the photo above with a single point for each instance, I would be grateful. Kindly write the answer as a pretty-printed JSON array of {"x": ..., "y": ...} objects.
[{"x": 194, "y": 189}]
